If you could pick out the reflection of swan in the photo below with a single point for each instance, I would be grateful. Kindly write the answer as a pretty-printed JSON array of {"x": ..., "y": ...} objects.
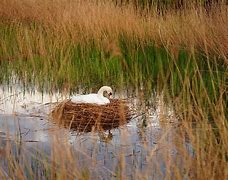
[{"x": 94, "y": 98}]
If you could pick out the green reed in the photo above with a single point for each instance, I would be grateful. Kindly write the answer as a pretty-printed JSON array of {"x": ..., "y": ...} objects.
[{"x": 55, "y": 63}]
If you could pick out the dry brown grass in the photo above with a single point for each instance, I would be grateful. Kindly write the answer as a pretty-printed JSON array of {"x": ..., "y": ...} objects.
[{"x": 104, "y": 22}]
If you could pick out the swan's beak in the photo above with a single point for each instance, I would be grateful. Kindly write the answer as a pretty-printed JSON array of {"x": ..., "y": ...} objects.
[{"x": 110, "y": 95}]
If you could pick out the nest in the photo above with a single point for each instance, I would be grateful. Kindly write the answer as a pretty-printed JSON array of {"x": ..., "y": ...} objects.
[{"x": 87, "y": 117}]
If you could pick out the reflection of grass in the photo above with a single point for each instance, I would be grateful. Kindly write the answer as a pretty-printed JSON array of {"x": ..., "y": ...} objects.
[{"x": 181, "y": 55}]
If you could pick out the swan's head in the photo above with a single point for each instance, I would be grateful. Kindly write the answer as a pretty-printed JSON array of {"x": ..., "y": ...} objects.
[{"x": 105, "y": 89}]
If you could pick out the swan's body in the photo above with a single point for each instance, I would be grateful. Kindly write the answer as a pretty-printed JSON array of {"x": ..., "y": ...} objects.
[
  {"x": 90, "y": 98},
  {"x": 94, "y": 98}
]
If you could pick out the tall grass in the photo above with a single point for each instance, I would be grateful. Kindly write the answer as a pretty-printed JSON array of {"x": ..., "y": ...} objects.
[
  {"x": 104, "y": 23},
  {"x": 183, "y": 56},
  {"x": 164, "y": 5}
]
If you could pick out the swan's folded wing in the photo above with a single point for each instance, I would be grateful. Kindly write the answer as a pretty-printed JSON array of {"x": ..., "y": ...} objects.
[
  {"x": 89, "y": 98},
  {"x": 77, "y": 99}
]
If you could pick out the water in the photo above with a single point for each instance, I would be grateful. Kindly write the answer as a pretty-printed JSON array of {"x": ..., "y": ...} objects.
[{"x": 144, "y": 142}]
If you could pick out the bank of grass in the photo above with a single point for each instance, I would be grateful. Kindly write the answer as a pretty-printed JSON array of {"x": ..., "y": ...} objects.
[{"x": 181, "y": 54}]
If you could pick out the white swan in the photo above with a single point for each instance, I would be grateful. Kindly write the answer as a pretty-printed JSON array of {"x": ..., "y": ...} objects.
[{"x": 94, "y": 98}]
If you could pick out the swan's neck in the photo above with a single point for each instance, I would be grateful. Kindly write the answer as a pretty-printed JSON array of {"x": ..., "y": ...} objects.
[{"x": 101, "y": 92}]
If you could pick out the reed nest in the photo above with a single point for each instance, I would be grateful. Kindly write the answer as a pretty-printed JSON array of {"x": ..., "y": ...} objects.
[{"x": 87, "y": 117}]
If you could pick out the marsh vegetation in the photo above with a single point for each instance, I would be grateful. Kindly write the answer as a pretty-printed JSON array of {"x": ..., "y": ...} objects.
[{"x": 166, "y": 58}]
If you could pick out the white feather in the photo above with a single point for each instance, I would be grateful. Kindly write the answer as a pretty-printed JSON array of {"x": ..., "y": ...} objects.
[{"x": 93, "y": 98}]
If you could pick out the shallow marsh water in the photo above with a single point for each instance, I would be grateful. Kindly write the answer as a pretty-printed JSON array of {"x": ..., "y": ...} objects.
[{"x": 143, "y": 143}]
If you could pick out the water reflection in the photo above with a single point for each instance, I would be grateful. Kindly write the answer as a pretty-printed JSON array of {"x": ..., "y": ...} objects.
[{"x": 144, "y": 143}]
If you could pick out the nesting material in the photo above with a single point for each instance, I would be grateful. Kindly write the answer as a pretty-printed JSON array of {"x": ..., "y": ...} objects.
[{"x": 86, "y": 117}]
